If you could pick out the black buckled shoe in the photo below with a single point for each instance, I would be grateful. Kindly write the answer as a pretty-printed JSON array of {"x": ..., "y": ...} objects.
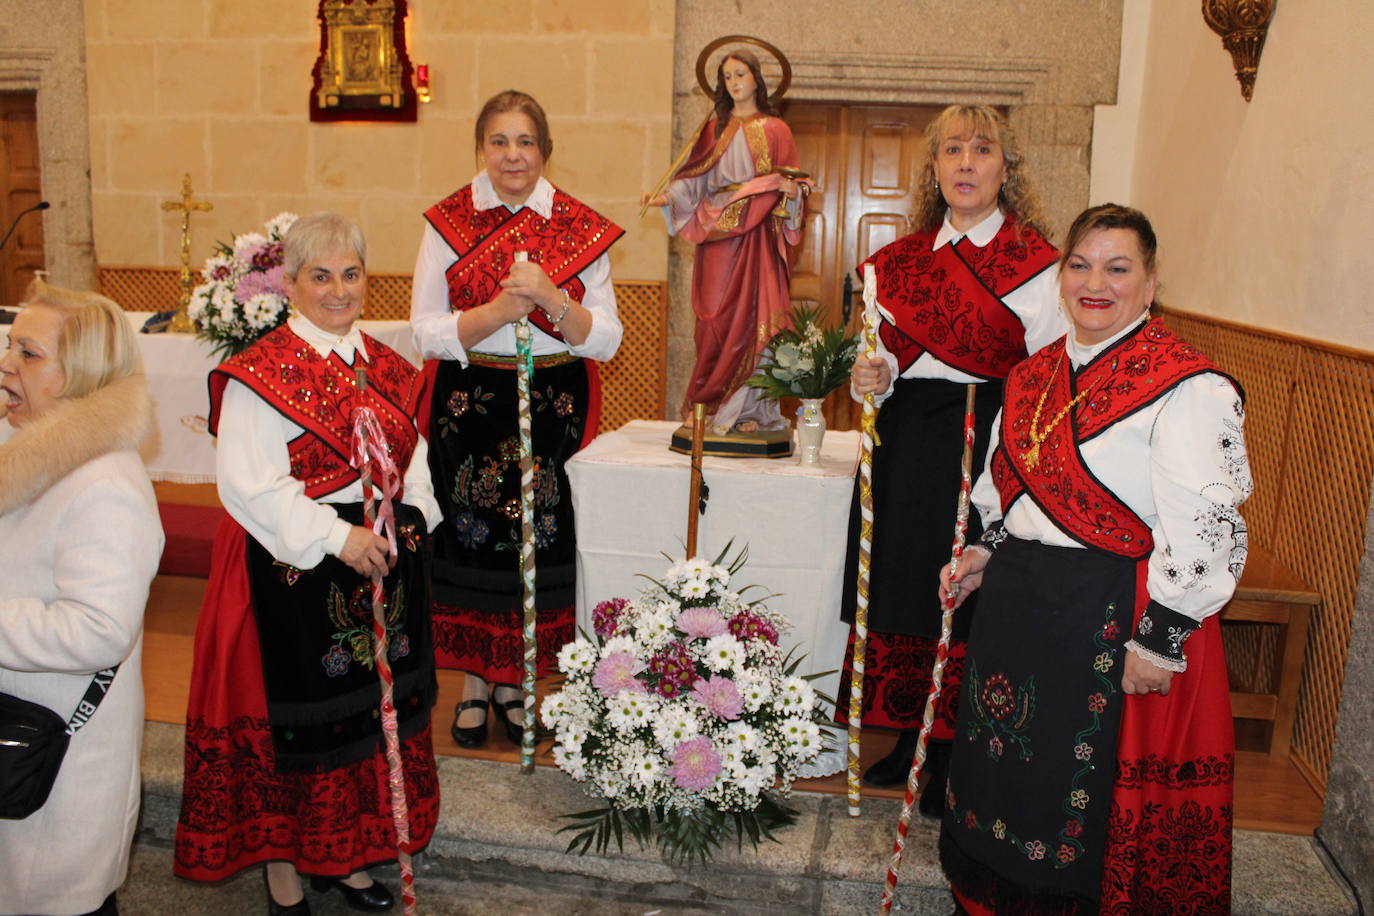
[
  {"x": 375, "y": 898},
  {"x": 515, "y": 731},
  {"x": 301, "y": 908},
  {"x": 932, "y": 803},
  {"x": 470, "y": 737},
  {"x": 894, "y": 769}
]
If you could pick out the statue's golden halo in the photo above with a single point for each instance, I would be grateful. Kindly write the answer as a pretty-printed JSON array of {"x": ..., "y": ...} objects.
[{"x": 705, "y": 57}]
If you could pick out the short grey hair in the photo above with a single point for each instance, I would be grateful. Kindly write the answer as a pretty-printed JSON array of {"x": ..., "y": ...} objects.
[{"x": 320, "y": 235}]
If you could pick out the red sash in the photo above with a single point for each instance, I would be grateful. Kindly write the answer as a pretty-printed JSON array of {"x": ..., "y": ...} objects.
[
  {"x": 949, "y": 301},
  {"x": 1169, "y": 832},
  {"x": 486, "y": 241},
  {"x": 319, "y": 395}
]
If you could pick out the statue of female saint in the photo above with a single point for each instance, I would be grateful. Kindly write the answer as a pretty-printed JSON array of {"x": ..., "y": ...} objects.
[{"x": 740, "y": 198}]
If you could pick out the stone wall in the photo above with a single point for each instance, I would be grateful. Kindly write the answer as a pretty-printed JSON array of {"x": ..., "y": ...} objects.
[
  {"x": 220, "y": 89},
  {"x": 41, "y": 49},
  {"x": 1348, "y": 819},
  {"x": 933, "y": 52}
]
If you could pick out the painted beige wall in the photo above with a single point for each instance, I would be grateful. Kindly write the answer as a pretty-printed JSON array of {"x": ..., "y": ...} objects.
[
  {"x": 219, "y": 88},
  {"x": 1263, "y": 209}
]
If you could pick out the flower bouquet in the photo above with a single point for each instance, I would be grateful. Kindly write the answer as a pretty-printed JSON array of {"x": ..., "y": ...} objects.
[
  {"x": 684, "y": 714},
  {"x": 243, "y": 295},
  {"x": 805, "y": 360}
]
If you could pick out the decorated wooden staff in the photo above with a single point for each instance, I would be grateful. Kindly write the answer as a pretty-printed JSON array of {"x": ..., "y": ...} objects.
[
  {"x": 694, "y": 488},
  {"x": 369, "y": 451},
  {"x": 867, "y": 437},
  {"x": 941, "y": 654},
  {"x": 524, "y": 372}
]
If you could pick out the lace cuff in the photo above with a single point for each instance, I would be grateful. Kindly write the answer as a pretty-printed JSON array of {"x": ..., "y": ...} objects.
[
  {"x": 993, "y": 537},
  {"x": 1160, "y": 635}
]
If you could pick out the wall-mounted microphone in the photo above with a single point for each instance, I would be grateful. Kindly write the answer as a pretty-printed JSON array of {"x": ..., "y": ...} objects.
[{"x": 41, "y": 205}]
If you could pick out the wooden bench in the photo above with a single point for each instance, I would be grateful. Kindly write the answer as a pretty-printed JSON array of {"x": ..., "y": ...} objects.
[{"x": 1270, "y": 593}]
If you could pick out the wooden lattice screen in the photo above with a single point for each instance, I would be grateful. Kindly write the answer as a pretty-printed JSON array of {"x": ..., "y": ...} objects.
[
  {"x": 633, "y": 384},
  {"x": 1309, "y": 428}
]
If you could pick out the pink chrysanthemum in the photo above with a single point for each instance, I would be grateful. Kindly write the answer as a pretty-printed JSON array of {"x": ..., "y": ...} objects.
[
  {"x": 696, "y": 764},
  {"x": 606, "y": 617},
  {"x": 616, "y": 672},
  {"x": 257, "y": 282},
  {"x": 719, "y": 696},
  {"x": 700, "y": 623}
]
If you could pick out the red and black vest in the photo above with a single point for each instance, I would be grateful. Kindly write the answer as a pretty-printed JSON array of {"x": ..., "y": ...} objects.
[
  {"x": 486, "y": 241},
  {"x": 319, "y": 395},
  {"x": 1129, "y": 376},
  {"x": 948, "y": 302}
]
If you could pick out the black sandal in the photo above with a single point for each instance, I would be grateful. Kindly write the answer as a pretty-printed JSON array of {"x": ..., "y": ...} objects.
[{"x": 476, "y": 736}]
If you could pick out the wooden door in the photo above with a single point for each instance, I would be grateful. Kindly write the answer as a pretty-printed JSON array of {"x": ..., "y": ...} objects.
[
  {"x": 20, "y": 188},
  {"x": 864, "y": 159}
]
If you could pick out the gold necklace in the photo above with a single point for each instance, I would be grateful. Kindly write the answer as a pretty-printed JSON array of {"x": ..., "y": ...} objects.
[{"x": 1032, "y": 455}]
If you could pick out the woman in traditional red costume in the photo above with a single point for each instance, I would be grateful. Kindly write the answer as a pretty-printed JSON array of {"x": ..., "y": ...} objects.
[
  {"x": 962, "y": 300},
  {"x": 1093, "y": 766},
  {"x": 726, "y": 200},
  {"x": 469, "y": 290},
  {"x": 284, "y": 757}
]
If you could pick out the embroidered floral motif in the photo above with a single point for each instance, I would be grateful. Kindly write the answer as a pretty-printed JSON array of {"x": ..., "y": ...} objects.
[
  {"x": 289, "y": 574},
  {"x": 1083, "y": 751},
  {"x": 1003, "y": 710},
  {"x": 545, "y": 530},
  {"x": 353, "y": 618},
  {"x": 1096, "y": 703},
  {"x": 1146, "y": 625},
  {"x": 1035, "y": 850},
  {"x": 1177, "y": 636},
  {"x": 472, "y": 531},
  {"x": 458, "y": 404},
  {"x": 999, "y": 829},
  {"x": 563, "y": 405},
  {"x": 1104, "y": 662}
]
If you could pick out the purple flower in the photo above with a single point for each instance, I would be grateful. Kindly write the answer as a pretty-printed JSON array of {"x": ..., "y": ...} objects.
[
  {"x": 256, "y": 282},
  {"x": 606, "y": 617},
  {"x": 335, "y": 661},
  {"x": 695, "y": 764},
  {"x": 719, "y": 696},
  {"x": 700, "y": 622},
  {"x": 616, "y": 672}
]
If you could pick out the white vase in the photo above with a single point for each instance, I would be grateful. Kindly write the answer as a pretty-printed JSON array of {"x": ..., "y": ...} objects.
[{"x": 810, "y": 432}]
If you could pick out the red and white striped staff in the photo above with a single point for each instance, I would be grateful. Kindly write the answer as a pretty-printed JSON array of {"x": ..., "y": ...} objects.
[
  {"x": 941, "y": 655},
  {"x": 868, "y": 435},
  {"x": 369, "y": 453}
]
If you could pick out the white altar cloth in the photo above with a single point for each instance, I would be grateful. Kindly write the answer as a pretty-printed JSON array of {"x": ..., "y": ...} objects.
[
  {"x": 630, "y": 498},
  {"x": 181, "y": 450}
]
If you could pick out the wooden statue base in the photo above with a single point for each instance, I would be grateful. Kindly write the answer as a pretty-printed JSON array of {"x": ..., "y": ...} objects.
[{"x": 765, "y": 443}]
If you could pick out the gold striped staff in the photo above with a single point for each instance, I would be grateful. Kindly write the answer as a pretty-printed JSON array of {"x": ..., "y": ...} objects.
[
  {"x": 524, "y": 371},
  {"x": 868, "y": 436},
  {"x": 941, "y": 655}
]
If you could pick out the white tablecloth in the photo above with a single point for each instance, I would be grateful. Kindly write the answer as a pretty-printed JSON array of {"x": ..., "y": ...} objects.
[
  {"x": 630, "y": 498},
  {"x": 181, "y": 449}
]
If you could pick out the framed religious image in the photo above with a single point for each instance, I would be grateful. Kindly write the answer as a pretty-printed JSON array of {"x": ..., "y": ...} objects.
[{"x": 363, "y": 72}]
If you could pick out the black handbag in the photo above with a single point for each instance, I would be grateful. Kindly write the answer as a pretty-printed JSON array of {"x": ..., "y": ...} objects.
[{"x": 33, "y": 741}]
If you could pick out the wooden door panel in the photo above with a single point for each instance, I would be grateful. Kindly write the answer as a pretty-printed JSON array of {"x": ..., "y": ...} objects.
[
  {"x": 20, "y": 188},
  {"x": 864, "y": 159}
]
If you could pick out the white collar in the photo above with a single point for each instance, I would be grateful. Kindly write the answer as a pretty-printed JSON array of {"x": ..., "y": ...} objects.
[
  {"x": 324, "y": 342},
  {"x": 484, "y": 196},
  {"x": 1080, "y": 354},
  {"x": 979, "y": 235}
]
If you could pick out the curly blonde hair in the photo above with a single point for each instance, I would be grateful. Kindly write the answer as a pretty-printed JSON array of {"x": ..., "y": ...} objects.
[{"x": 1017, "y": 196}]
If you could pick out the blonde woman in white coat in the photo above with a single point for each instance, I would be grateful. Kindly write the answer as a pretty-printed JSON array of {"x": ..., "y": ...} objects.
[{"x": 79, "y": 544}]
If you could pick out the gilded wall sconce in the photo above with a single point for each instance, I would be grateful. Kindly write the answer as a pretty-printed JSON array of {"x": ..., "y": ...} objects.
[
  {"x": 363, "y": 72},
  {"x": 1242, "y": 25}
]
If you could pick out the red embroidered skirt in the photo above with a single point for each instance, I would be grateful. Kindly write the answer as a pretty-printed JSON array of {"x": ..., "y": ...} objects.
[
  {"x": 491, "y": 644},
  {"x": 897, "y": 682},
  {"x": 236, "y": 809}
]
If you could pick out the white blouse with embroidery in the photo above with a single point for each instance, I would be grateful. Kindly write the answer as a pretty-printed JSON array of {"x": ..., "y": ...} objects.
[
  {"x": 434, "y": 327},
  {"x": 253, "y": 469},
  {"x": 1035, "y": 303},
  {"x": 1180, "y": 464}
]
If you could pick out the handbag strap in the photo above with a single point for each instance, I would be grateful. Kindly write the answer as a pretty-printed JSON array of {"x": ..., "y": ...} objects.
[{"x": 95, "y": 692}]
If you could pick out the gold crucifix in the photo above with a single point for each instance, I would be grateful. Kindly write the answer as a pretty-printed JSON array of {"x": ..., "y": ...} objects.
[{"x": 181, "y": 324}]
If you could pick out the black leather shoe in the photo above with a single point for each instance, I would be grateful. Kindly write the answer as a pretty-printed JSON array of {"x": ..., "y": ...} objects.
[
  {"x": 470, "y": 737},
  {"x": 301, "y": 908},
  {"x": 515, "y": 730},
  {"x": 932, "y": 803},
  {"x": 892, "y": 771},
  {"x": 371, "y": 899}
]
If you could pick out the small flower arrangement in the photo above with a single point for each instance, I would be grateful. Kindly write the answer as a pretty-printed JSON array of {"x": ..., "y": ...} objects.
[
  {"x": 243, "y": 295},
  {"x": 684, "y": 714},
  {"x": 805, "y": 360}
]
